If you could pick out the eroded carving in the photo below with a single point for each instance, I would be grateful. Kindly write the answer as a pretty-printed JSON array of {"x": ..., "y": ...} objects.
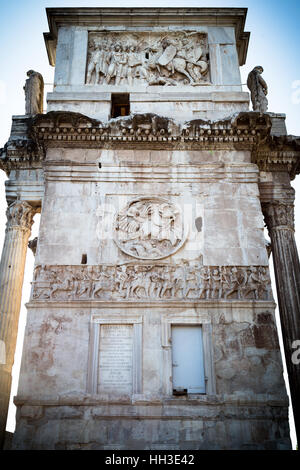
[
  {"x": 154, "y": 59},
  {"x": 34, "y": 93},
  {"x": 149, "y": 228},
  {"x": 32, "y": 244},
  {"x": 189, "y": 280},
  {"x": 244, "y": 130},
  {"x": 19, "y": 214},
  {"x": 258, "y": 89},
  {"x": 278, "y": 214}
]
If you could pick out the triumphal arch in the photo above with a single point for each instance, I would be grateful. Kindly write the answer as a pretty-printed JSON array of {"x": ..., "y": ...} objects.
[{"x": 151, "y": 318}]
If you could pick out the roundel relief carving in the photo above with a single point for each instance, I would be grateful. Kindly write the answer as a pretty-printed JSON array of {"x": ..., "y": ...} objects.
[{"x": 149, "y": 228}]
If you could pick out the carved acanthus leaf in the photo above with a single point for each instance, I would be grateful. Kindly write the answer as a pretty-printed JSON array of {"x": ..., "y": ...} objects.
[
  {"x": 20, "y": 214},
  {"x": 278, "y": 214}
]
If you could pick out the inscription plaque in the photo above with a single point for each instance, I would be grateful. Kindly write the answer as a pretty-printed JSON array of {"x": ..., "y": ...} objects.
[{"x": 115, "y": 359}]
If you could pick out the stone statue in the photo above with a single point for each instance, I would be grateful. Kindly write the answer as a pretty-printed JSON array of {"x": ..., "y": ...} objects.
[
  {"x": 32, "y": 244},
  {"x": 34, "y": 93},
  {"x": 258, "y": 89}
]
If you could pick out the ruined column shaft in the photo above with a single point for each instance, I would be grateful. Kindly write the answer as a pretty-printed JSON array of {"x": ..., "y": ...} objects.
[
  {"x": 279, "y": 219},
  {"x": 19, "y": 221}
]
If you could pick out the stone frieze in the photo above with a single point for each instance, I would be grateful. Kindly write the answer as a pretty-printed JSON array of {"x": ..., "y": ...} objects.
[
  {"x": 186, "y": 281},
  {"x": 165, "y": 58}
]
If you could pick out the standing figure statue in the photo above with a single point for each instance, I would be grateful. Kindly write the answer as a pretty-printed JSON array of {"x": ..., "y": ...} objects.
[
  {"x": 34, "y": 93},
  {"x": 258, "y": 89},
  {"x": 94, "y": 66},
  {"x": 117, "y": 66}
]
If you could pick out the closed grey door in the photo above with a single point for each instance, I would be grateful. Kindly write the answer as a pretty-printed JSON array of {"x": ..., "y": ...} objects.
[{"x": 187, "y": 358}]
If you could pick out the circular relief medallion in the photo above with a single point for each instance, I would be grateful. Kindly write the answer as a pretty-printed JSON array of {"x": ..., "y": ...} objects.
[{"x": 149, "y": 228}]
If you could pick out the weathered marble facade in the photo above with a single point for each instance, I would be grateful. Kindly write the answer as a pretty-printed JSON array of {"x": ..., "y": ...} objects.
[{"x": 149, "y": 222}]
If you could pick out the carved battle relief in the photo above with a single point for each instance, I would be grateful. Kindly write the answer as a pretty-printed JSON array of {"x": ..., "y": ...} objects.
[
  {"x": 149, "y": 228},
  {"x": 127, "y": 282},
  {"x": 147, "y": 59}
]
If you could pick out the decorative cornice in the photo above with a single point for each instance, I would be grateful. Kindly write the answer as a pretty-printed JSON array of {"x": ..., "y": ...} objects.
[
  {"x": 279, "y": 153},
  {"x": 146, "y": 18},
  {"x": 243, "y": 130},
  {"x": 31, "y": 136},
  {"x": 21, "y": 151}
]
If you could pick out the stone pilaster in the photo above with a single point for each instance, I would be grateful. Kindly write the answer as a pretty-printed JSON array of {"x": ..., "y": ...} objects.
[
  {"x": 19, "y": 221},
  {"x": 279, "y": 218}
]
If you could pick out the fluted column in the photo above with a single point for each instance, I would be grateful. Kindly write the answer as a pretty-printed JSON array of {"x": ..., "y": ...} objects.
[
  {"x": 279, "y": 218},
  {"x": 18, "y": 228}
]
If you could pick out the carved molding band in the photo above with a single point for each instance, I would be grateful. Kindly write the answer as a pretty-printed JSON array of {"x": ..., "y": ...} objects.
[
  {"x": 151, "y": 282},
  {"x": 244, "y": 130},
  {"x": 147, "y": 59},
  {"x": 20, "y": 214},
  {"x": 278, "y": 215}
]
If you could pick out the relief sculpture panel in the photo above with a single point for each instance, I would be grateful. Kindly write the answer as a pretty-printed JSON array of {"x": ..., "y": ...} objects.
[
  {"x": 184, "y": 281},
  {"x": 149, "y": 228},
  {"x": 147, "y": 58}
]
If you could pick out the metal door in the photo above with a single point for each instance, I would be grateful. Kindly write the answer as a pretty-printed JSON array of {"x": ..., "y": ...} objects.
[{"x": 187, "y": 358}]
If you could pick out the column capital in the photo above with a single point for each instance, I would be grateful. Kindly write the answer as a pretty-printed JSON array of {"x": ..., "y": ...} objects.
[
  {"x": 279, "y": 214},
  {"x": 20, "y": 215}
]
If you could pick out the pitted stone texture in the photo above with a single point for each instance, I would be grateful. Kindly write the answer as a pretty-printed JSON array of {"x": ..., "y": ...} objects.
[
  {"x": 82, "y": 200},
  {"x": 214, "y": 427}
]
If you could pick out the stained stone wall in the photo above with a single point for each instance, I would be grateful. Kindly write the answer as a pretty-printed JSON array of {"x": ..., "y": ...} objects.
[
  {"x": 148, "y": 222},
  {"x": 220, "y": 187},
  {"x": 245, "y": 405},
  {"x": 244, "y": 410}
]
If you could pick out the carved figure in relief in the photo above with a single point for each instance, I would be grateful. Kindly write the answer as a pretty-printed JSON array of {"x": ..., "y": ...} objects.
[
  {"x": 34, "y": 93},
  {"x": 264, "y": 284},
  {"x": 117, "y": 65},
  {"x": 63, "y": 284},
  {"x": 140, "y": 283},
  {"x": 189, "y": 280},
  {"x": 192, "y": 55},
  {"x": 258, "y": 89},
  {"x": 216, "y": 284},
  {"x": 232, "y": 284},
  {"x": 149, "y": 228},
  {"x": 253, "y": 282},
  {"x": 103, "y": 283},
  {"x": 185, "y": 281},
  {"x": 84, "y": 284},
  {"x": 204, "y": 282},
  {"x": 94, "y": 65},
  {"x": 104, "y": 60},
  {"x": 166, "y": 60},
  {"x": 121, "y": 278},
  {"x": 168, "y": 283},
  {"x": 135, "y": 66}
]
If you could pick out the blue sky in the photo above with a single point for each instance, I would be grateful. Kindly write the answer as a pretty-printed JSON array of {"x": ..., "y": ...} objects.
[{"x": 274, "y": 44}]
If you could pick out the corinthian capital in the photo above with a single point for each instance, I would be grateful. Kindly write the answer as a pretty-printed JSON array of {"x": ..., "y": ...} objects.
[
  {"x": 278, "y": 214},
  {"x": 19, "y": 214}
]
